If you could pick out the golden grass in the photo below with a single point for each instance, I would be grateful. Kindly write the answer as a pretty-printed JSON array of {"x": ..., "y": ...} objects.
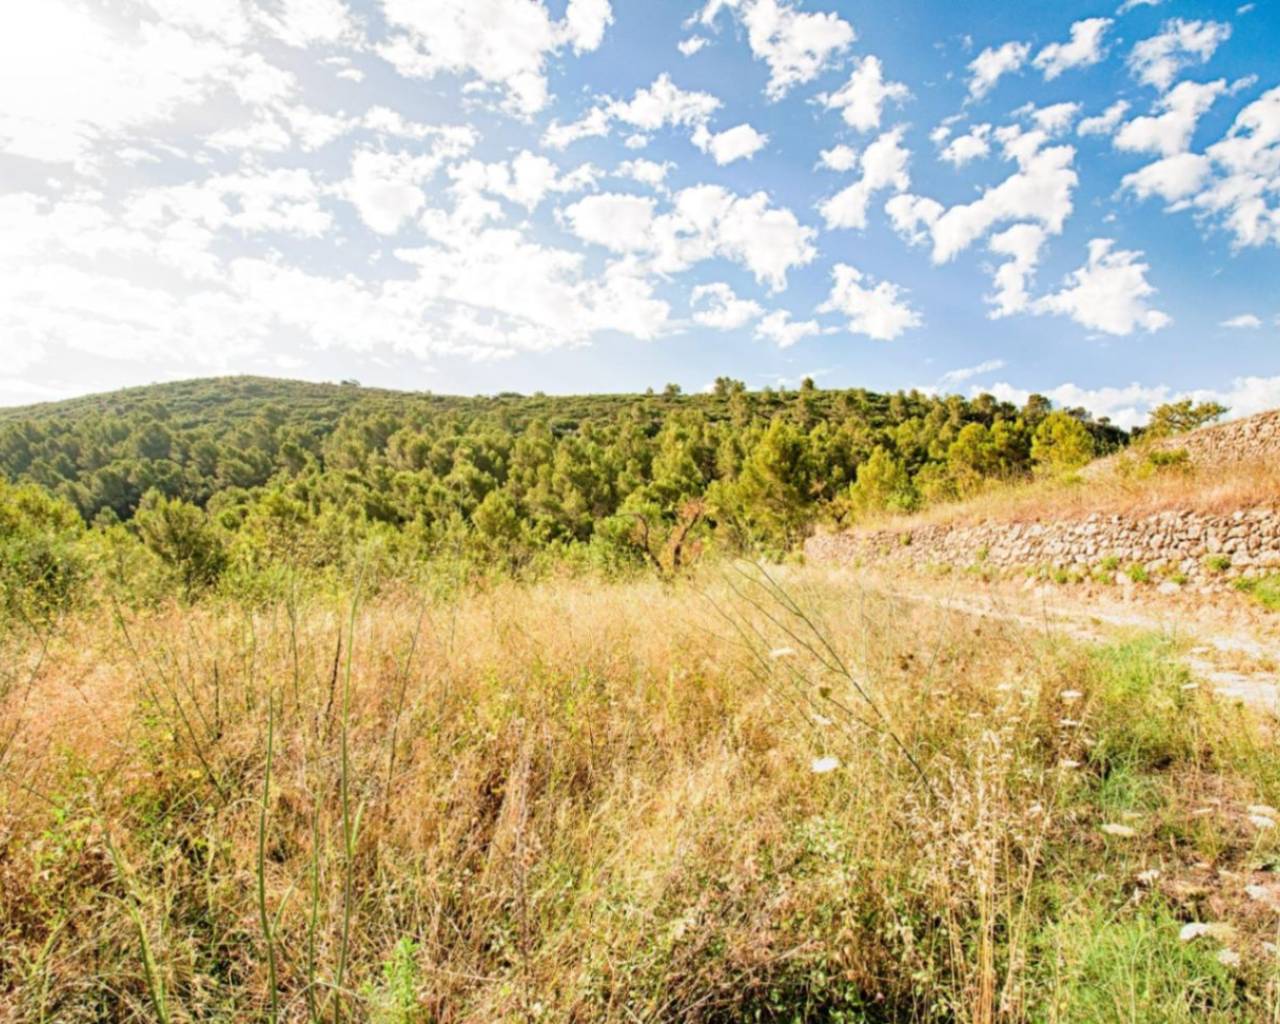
[
  {"x": 1120, "y": 485},
  {"x": 581, "y": 801}
]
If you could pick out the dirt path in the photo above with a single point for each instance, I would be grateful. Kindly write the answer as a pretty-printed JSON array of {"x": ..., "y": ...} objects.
[{"x": 1229, "y": 645}]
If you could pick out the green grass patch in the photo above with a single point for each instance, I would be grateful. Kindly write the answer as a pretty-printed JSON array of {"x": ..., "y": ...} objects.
[{"x": 1263, "y": 589}]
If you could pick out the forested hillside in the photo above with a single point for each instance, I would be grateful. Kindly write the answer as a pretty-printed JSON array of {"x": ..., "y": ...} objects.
[{"x": 215, "y": 474}]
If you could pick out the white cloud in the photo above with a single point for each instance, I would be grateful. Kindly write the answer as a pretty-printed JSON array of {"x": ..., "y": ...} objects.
[
  {"x": 526, "y": 180},
  {"x": 501, "y": 43},
  {"x": 688, "y": 47},
  {"x": 721, "y": 309},
  {"x": 1170, "y": 131},
  {"x": 1172, "y": 178},
  {"x": 1039, "y": 191},
  {"x": 973, "y": 144},
  {"x": 879, "y": 311},
  {"x": 1084, "y": 49},
  {"x": 1249, "y": 159},
  {"x": 1104, "y": 123},
  {"x": 1245, "y": 321},
  {"x": 839, "y": 158},
  {"x": 1109, "y": 293},
  {"x": 386, "y": 188},
  {"x": 1130, "y": 5},
  {"x": 647, "y": 172},
  {"x": 992, "y": 64},
  {"x": 784, "y": 332},
  {"x": 861, "y": 99},
  {"x": 303, "y": 23},
  {"x": 122, "y": 83},
  {"x": 1022, "y": 243},
  {"x": 1130, "y": 405},
  {"x": 705, "y": 222},
  {"x": 796, "y": 46},
  {"x": 737, "y": 143},
  {"x": 664, "y": 103},
  {"x": 964, "y": 373},
  {"x": 1156, "y": 61},
  {"x": 1053, "y": 119},
  {"x": 884, "y": 165}
]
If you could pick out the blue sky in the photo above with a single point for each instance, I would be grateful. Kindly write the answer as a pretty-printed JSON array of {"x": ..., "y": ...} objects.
[{"x": 606, "y": 195}]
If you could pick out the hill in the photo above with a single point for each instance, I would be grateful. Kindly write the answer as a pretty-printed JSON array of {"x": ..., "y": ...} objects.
[{"x": 288, "y": 466}]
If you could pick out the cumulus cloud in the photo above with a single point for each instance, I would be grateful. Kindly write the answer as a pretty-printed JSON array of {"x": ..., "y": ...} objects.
[
  {"x": 1022, "y": 244},
  {"x": 1109, "y": 293},
  {"x": 884, "y": 165},
  {"x": 1082, "y": 50},
  {"x": 737, "y": 143},
  {"x": 1170, "y": 131},
  {"x": 796, "y": 46},
  {"x": 1245, "y": 321},
  {"x": 501, "y": 43},
  {"x": 1039, "y": 191},
  {"x": 1173, "y": 178},
  {"x": 784, "y": 332},
  {"x": 688, "y": 47},
  {"x": 660, "y": 105},
  {"x": 839, "y": 158},
  {"x": 525, "y": 180},
  {"x": 1181, "y": 43},
  {"x": 1104, "y": 123},
  {"x": 705, "y": 222},
  {"x": 861, "y": 99},
  {"x": 992, "y": 64},
  {"x": 975, "y": 143},
  {"x": 877, "y": 310},
  {"x": 717, "y": 306},
  {"x": 647, "y": 172}
]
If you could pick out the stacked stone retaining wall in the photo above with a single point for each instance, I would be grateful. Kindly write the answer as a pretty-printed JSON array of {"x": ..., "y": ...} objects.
[{"x": 1178, "y": 547}]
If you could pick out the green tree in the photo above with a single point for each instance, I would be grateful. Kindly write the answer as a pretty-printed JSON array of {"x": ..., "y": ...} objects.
[
  {"x": 1180, "y": 417},
  {"x": 181, "y": 535},
  {"x": 883, "y": 484},
  {"x": 1061, "y": 443}
]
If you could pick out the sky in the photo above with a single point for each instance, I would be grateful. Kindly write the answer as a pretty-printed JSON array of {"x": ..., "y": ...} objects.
[{"x": 473, "y": 196}]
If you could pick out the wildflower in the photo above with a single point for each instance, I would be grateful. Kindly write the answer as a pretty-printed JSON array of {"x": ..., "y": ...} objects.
[
  {"x": 1228, "y": 958},
  {"x": 1262, "y": 821},
  {"x": 1263, "y": 810},
  {"x": 1123, "y": 831},
  {"x": 822, "y": 765},
  {"x": 1070, "y": 695},
  {"x": 782, "y": 652}
]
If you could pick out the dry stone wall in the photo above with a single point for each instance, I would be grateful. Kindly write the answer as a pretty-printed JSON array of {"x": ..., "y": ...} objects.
[{"x": 1174, "y": 547}]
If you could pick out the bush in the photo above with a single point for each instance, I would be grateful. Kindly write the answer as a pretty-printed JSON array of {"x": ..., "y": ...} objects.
[{"x": 42, "y": 570}]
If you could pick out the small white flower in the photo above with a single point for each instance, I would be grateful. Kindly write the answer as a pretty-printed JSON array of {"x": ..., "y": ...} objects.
[
  {"x": 1123, "y": 831},
  {"x": 1070, "y": 695},
  {"x": 1228, "y": 958},
  {"x": 1263, "y": 810},
  {"x": 822, "y": 765},
  {"x": 782, "y": 652},
  {"x": 1262, "y": 821}
]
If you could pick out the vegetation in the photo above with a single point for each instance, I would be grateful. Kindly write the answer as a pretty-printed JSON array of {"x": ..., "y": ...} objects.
[
  {"x": 734, "y": 798},
  {"x": 320, "y": 704},
  {"x": 230, "y": 480}
]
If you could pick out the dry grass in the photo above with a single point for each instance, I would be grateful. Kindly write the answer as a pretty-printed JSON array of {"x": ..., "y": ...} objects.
[
  {"x": 589, "y": 802},
  {"x": 1120, "y": 485}
]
